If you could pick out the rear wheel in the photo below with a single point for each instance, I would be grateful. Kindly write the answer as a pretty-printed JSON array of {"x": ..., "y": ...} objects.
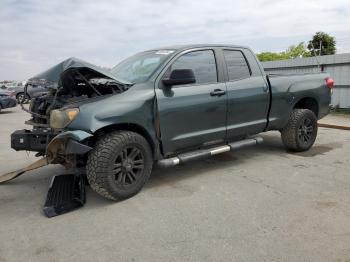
[
  {"x": 301, "y": 130},
  {"x": 119, "y": 165}
]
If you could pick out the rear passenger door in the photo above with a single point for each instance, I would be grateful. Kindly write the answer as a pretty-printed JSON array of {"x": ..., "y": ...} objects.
[{"x": 247, "y": 94}]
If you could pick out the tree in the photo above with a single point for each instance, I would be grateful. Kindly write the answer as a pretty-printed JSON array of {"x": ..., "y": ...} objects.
[
  {"x": 326, "y": 41},
  {"x": 298, "y": 50},
  {"x": 270, "y": 56},
  {"x": 293, "y": 51}
]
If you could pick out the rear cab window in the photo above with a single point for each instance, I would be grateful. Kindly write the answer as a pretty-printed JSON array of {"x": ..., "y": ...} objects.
[{"x": 237, "y": 66}]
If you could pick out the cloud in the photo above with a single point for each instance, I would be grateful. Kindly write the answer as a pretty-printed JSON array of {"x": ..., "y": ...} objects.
[{"x": 36, "y": 34}]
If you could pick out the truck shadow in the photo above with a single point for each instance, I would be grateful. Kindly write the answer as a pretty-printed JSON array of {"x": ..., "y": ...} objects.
[
  {"x": 160, "y": 177},
  {"x": 2, "y": 112},
  {"x": 318, "y": 150},
  {"x": 35, "y": 184}
]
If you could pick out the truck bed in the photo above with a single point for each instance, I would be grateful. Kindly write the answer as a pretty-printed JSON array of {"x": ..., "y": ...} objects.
[{"x": 286, "y": 90}]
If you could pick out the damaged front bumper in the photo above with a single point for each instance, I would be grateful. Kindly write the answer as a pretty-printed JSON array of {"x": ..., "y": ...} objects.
[
  {"x": 64, "y": 147},
  {"x": 34, "y": 140},
  {"x": 59, "y": 148}
]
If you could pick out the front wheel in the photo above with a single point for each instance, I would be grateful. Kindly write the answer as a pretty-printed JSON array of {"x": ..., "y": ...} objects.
[
  {"x": 119, "y": 165},
  {"x": 301, "y": 130}
]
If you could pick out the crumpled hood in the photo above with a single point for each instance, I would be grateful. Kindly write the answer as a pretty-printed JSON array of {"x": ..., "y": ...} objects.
[{"x": 51, "y": 77}]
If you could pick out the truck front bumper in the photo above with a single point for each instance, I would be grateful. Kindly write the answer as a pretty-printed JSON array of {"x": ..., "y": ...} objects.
[
  {"x": 32, "y": 140},
  {"x": 64, "y": 147},
  {"x": 59, "y": 148}
]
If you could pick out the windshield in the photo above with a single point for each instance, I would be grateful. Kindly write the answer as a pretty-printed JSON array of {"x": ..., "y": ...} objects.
[{"x": 138, "y": 68}]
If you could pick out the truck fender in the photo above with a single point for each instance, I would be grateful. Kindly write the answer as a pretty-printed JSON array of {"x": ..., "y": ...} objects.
[{"x": 67, "y": 143}]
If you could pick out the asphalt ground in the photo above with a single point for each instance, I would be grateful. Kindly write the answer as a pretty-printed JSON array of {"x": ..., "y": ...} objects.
[{"x": 256, "y": 204}]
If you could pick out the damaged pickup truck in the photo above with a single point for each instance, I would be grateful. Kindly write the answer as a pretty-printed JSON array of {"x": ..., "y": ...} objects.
[{"x": 166, "y": 106}]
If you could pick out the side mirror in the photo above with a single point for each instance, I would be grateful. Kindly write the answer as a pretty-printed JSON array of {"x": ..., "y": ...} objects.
[{"x": 180, "y": 77}]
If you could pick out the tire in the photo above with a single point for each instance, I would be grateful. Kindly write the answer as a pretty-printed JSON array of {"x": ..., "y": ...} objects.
[
  {"x": 20, "y": 97},
  {"x": 119, "y": 165},
  {"x": 301, "y": 130}
]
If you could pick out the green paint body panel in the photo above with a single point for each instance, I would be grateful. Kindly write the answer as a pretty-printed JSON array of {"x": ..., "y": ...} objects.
[
  {"x": 188, "y": 117},
  {"x": 77, "y": 135}
]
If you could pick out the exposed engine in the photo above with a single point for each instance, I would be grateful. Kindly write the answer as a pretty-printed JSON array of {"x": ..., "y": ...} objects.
[{"x": 75, "y": 85}]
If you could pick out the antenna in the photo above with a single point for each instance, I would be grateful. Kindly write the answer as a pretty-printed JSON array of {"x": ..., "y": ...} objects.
[{"x": 318, "y": 62}]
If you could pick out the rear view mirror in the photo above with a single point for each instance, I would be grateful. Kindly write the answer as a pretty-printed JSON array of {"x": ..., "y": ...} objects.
[{"x": 180, "y": 77}]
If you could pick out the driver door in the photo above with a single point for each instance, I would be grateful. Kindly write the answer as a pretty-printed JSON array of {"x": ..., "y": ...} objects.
[{"x": 192, "y": 115}]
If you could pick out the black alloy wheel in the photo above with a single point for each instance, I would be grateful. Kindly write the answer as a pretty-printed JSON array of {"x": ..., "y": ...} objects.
[
  {"x": 128, "y": 166},
  {"x": 119, "y": 164}
]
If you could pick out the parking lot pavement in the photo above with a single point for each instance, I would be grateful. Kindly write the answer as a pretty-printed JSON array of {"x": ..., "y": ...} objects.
[
  {"x": 256, "y": 204},
  {"x": 340, "y": 120}
]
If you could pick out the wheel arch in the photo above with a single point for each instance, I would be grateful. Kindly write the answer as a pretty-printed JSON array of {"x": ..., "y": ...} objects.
[
  {"x": 22, "y": 92},
  {"x": 133, "y": 128},
  {"x": 308, "y": 103}
]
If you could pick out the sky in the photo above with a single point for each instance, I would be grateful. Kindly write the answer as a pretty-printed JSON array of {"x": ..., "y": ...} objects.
[{"x": 37, "y": 34}]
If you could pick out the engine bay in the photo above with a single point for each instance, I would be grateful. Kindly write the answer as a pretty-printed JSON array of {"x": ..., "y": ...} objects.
[{"x": 74, "y": 85}]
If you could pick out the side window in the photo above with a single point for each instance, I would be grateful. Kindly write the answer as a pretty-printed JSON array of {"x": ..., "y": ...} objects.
[
  {"x": 201, "y": 62},
  {"x": 237, "y": 67}
]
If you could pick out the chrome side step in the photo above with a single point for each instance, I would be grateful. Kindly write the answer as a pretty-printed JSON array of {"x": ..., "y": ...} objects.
[{"x": 204, "y": 153}]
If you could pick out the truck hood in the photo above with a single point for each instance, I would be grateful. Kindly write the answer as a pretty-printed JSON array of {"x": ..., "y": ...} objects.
[{"x": 52, "y": 76}]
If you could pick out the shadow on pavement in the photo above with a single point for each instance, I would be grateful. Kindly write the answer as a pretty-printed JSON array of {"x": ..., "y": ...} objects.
[
  {"x": 2, "y": 112},
  {"x": 34, "y": 185}
]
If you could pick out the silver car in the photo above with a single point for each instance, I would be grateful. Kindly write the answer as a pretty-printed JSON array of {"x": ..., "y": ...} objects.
[
  {"x": 32, "y": 91},
  {"x": 7, "y": 99}
]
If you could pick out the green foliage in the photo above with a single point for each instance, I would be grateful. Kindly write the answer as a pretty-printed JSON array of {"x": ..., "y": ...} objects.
[
  {"x": 299, "y": 50},
  {"x": 270, "y": 56},
  {"x": 327, "y": 47},
  {"x": 293, "y": 51}
]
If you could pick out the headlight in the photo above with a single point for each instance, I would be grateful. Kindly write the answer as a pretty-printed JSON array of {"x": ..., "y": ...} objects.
[{"x": 62, "y": 118}]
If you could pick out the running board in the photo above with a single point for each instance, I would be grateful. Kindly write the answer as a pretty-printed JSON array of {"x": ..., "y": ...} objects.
[{"x": 204, "y": 153}]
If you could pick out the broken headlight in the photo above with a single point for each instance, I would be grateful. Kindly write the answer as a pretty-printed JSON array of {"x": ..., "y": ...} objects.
[{"x": 62, "y": 118}]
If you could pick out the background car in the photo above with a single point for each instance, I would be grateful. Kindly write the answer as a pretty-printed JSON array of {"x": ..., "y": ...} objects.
[
  {"x": 7, "y": 99},
  {"x": 33, "y": 90}
]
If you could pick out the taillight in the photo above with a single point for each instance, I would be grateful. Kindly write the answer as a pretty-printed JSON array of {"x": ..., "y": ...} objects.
[{"x": 330, "y": 82}]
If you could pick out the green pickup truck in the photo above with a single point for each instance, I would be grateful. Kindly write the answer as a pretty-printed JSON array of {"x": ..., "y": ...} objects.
[{"x": 166, "y": 106}]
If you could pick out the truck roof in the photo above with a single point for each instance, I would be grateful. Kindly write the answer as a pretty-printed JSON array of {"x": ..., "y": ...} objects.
[{"x": 185, "y": 47}]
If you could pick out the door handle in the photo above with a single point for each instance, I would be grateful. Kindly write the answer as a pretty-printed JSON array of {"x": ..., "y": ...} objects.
[{"x": 217, "y": 92}]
